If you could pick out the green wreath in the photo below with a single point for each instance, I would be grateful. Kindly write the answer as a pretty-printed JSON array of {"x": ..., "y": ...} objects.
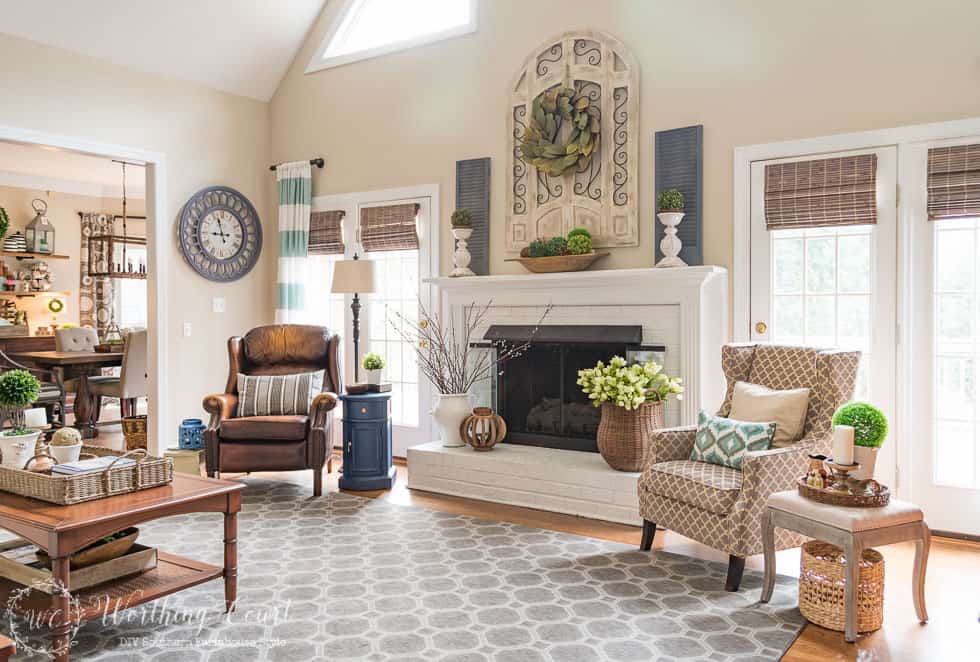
[
  {"x": 540, "y": 143},
  {"x": 56, "y": 305}
]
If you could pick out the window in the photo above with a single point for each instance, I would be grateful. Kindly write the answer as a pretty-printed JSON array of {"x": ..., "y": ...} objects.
[
  {"x": 323, "y": 307},
  {"x": 130, "y": 294},
  {"x": 368, "y": 28}
]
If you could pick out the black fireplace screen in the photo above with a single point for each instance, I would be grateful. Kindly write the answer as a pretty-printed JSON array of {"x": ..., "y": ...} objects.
[{"x": 536, "y": 393}]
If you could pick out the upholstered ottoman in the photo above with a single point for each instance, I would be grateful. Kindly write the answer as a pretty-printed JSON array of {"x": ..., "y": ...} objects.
[{"x": 853, "y": 530}]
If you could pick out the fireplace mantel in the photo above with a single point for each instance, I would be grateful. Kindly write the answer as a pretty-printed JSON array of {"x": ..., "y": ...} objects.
[{"x": 680, "y": 277}]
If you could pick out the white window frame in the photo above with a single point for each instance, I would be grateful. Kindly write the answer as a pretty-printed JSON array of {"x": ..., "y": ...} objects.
[
  {"x": 902, "y": 137},
  {"x": 319, "y": 62}
]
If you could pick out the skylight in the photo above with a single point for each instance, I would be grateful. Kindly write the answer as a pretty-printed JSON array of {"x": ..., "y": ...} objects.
[{"x": 367, "y": 28}]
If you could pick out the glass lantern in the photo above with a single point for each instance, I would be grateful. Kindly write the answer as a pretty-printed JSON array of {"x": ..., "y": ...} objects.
[{"x": 39, "y": 233}]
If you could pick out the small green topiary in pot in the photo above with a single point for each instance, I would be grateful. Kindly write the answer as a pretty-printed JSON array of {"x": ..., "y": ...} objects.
[
  {"x": 869, "y": 423},
  {"x": 670, "y": 200},
  {"x": 579, "y": 245}
]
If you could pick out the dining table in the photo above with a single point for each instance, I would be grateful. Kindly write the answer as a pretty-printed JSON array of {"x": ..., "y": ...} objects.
[{"x": 76, "y": 365}]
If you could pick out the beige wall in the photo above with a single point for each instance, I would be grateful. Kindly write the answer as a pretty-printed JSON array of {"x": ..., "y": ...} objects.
[
  {"x": 208, "y": 137},
  {"x": 63, "y": 211},
  {"x": 750, "y": 71}
]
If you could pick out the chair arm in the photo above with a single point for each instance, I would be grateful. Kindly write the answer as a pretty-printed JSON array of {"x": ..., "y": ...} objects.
[
  {"x": 670, "y": 444},
  {"x": 321, "y": 406},
  {"x": 774, "y": 470},
  {"x": 220, "y": 406}
]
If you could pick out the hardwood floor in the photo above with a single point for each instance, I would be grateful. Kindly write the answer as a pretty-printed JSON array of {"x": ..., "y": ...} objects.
[{"x": 952, "y": 588}]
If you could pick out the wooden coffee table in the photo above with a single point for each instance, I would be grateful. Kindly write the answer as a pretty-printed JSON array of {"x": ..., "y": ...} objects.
[{"x": 63, "y": 530}]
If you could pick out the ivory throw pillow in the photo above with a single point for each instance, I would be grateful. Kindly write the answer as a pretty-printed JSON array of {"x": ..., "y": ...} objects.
[
  {"x": 725, "y": 441},
  {"x": 277, "y": 395},
  {"x": 753, "y": 402}
]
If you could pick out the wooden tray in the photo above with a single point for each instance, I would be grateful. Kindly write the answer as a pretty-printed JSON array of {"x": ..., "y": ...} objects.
[
  {"x": 880, "y": 497},
  {"x": 146, "y": 472},
  {"x": 108, "y": 348},
  {"x": 559, "y": 263},
  {"x": 19, "y": 563}
]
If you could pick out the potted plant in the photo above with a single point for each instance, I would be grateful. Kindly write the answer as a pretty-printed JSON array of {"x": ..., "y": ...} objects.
[
  {"x": 870, "y": 429},
  {"x": 373, "y": 363},
  {"x": 66, "y": 445},
  {"x": 448, "y": 358},
  {"x": 632, "y": 399},
  {"x": 19, "y": 389},
  {"x": 462, "y": 222},
  {"x": 670, "y": 208}
]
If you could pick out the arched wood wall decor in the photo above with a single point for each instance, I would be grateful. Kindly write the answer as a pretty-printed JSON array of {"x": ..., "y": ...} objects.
[{"x": 601, "y": 196}]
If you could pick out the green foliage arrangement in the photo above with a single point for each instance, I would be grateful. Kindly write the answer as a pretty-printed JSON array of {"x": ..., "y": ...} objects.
[
  {"x": 540, "y": 144},
  {"x": 538, "y": 248},
  {"x": 18, "y": 389},
  {"x": 372, "y": 361},
  {"x": 461, "y": 218},
  {"x": 579, "y": 244},
  {"x": 627, "y": 386},
  {"x": 4, "y": 222},
  {"x": 670, "y": 200},
  {"x": 869, "y": 423},
  {"x": 576, "y": 232},
  {"x": 557, "y": 246},
  {"x": 18, "y": 431}
]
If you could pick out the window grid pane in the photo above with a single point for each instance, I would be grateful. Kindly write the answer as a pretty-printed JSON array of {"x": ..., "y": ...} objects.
[{"x": 956, "y": 353}]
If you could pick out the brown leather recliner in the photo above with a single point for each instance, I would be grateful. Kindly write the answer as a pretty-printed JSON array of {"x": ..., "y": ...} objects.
[{"x": 275, "y": 443}]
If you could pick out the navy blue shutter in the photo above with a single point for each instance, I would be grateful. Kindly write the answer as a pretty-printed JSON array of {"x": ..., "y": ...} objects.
[
  {"x": 473, "y": 193},
  {"x": 678, "y": 164}
]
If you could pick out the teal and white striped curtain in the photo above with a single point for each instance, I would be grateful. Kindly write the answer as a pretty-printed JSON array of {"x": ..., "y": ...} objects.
[{"x": 295, "y": 192}]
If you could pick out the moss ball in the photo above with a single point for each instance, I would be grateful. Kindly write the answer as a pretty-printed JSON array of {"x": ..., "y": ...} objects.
[{"x": 869, "y": 423}]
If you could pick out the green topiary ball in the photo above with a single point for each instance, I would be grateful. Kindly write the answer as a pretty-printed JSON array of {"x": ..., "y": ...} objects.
[
  {"x": 18, "y": 389},
  {"x": 869, "y": 423},
  {"x": 557, "y": 246},
  {"x": 579, "y": 232},
  {"x": 579, "y": 245},
  {"x": 538, "y": 248}
]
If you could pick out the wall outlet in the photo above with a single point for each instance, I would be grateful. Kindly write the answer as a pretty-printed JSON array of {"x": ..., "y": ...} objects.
[
  {"x": 187, "y": 329},
  {"x": 218, "y": 305}
]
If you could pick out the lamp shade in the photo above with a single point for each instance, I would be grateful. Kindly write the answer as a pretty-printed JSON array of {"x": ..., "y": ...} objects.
[{"x": 353, "y": 277}]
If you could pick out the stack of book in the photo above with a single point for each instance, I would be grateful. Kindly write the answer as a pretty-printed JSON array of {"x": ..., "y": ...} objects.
[{"x": 93, "y": 465}]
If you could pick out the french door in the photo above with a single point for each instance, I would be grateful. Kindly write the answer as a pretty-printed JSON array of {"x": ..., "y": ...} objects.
[
  {"x": 832, "y": 287},
  {"x": 943, "y": 355}
]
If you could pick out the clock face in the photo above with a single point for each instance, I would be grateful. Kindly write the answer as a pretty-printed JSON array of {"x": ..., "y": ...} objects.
[{"x": 220, "y": 233}]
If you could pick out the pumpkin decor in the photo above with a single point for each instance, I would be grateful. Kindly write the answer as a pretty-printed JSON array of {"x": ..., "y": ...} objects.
[
  {"x": 545, "y": 144},
  {"x": 483, "y": 429}
]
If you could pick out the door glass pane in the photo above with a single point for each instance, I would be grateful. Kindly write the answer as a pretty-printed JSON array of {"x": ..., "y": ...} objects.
[
  {"x": 956, "y": 449},
  {"x": 396, "y": 281},
  {"x": 821, "y": 290}
]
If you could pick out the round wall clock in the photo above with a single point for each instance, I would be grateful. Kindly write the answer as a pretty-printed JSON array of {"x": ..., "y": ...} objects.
[{"x": 220, "y": 233}]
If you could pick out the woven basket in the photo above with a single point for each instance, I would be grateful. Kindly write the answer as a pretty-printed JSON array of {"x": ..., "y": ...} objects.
[
  {"x": 624, "y": 435},
  {"x": 147, "y": 472},
  {"x": 822, "y": 572},
  {"x": 134, "y": 431}
]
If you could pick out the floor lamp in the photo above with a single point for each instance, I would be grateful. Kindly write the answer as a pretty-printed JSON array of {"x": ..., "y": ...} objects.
[{"x": 354, "y": 277}]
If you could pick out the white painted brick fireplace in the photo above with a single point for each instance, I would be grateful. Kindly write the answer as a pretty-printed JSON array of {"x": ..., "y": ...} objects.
[{"x": 685, "y": 309}]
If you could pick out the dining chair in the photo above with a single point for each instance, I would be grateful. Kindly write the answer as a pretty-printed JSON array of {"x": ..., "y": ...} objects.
[
  {"x": 133, "y": 381},
  {"x": 80, "y": 339}
]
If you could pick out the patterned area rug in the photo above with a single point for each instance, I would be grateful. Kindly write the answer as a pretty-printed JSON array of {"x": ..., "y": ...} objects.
[{"x": 348, "y": 578}]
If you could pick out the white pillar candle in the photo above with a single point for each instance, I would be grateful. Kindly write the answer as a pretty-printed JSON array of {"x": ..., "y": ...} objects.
[{"x": 843, "y": 451}]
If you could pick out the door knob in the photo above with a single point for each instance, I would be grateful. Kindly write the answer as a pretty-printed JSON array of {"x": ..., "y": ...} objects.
[
  {"x": 760, "y": 327},
  {"x": 349, "y": 446}
]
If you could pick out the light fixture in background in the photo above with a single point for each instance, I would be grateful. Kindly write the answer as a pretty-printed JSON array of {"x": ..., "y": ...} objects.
[{"x": 355, "y": 277}]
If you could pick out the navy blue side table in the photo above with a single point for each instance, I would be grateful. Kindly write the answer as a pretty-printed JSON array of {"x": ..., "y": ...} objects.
[{"x": 367, "y": 442}]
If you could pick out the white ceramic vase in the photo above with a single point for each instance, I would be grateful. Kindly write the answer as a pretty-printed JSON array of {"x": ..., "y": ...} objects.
[
  {"x": 65, "y": 454},
  {"x": 462, "y": 257},
  {"x": 866, "y": 457},
  {"x": 449, "y": 412},
  {"x": 671, "y": 245},
  {"x": 18, "y": 450},
  {"x": 372, "y": 376}
]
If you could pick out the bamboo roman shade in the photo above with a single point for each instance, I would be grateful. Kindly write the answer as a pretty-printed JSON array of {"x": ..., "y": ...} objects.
[
  {"x": 389, "y": 228},
  {"x": 954, "y": 182},
  {"x": 326, "y": 233},
  {"x": 821, "y": 193}
]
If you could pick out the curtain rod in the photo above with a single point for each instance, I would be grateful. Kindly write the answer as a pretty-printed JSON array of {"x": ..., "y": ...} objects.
[{"x": 318, "y": 162}]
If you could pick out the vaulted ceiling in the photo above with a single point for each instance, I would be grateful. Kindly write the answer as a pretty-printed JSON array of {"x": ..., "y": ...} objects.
[{"x": 238, "y": 46}]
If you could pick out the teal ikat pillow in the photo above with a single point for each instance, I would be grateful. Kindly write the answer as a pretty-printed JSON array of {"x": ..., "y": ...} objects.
[{"x": 725, "y": 441}]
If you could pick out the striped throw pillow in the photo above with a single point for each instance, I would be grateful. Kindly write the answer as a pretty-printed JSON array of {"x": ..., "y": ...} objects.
[{"x": 277, "y": 395}]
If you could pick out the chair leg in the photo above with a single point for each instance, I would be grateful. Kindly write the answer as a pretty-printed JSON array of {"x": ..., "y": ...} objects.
[
  {"x": 317, "y": 481},
  {"x": 649, "y": 531},
  {"x": 736, "y": 565}
]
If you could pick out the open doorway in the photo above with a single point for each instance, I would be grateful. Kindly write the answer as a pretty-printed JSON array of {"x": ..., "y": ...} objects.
[{"x": 79, "y": 304}]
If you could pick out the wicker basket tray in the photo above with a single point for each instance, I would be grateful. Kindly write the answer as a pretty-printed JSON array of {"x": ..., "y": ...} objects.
[
  {"x": 876, "y": 499},
  {"x": 134, "y": 432},
  {"x": 822, "y": 571},
  {"x": 147, "y": 472}
]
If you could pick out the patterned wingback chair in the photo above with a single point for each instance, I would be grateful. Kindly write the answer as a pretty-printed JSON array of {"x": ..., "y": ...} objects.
[{"x": 720, "y": 506}]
